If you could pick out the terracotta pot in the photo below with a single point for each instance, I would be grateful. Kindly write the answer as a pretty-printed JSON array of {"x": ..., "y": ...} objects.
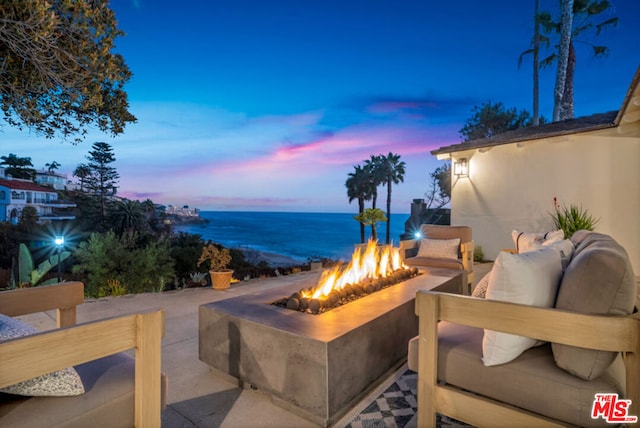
[{"x": 221, "y": 280}]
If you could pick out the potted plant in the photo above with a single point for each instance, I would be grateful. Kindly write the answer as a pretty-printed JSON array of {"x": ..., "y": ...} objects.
[{"x": 218, "y": 260}]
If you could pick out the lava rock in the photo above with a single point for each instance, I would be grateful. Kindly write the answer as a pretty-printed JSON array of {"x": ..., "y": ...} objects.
[
  {"x": 293, "y": 303},
  {"x": 314, "y": 306}
]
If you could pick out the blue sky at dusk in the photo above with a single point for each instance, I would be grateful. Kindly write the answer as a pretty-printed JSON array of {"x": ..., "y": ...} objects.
[{"x": 267, "y": 105}]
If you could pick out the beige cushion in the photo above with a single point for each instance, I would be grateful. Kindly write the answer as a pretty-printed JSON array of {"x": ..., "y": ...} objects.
[
  {"x": 107, "y": 403},
  {"x": 599, "y": 280},
  {"x": 434, "y": 263},
  {"x": 65, "y": 382},
  {"x": 532, "y": 381},
  {"x": 439, "y": 248},
  {"x": 527, "y": 278}
]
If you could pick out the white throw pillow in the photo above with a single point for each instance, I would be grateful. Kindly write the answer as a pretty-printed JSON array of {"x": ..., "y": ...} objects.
[
  {"x": 62, "y": 383},
  {"x": 525, "y": 241},
  {"x": 564, "y": 246},
  {"x": 528, "y": 278},
  {"x": 439, "y": 248}
]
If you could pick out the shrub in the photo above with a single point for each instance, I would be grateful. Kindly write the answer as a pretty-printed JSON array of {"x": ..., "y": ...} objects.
[
  {"x": 106, "y": 257},
  {"x": 571, "y": 219},
  {"x": 478, "y": 254}
]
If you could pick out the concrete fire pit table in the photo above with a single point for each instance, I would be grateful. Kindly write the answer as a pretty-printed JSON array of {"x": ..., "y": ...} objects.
[{"x": 318, "y": 366}]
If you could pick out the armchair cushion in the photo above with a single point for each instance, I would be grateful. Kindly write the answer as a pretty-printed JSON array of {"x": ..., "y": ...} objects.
[
  {"x": 532, "y": 381},
  {"x": 60, "y": 383},
  {"x": 597, "y": 260},
  {"x": 528, "y": 278},
  {"x": 108, "y": 401},
  {"x": 439, "y": 248}
]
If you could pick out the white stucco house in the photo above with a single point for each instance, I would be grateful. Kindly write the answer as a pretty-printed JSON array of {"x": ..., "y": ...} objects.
[
  {"x": 512, "y": 178},
  {"x": 17, "y": 194}
]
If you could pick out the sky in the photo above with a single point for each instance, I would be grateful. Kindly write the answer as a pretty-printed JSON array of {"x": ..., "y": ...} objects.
[{"x": 267, "y": 105}]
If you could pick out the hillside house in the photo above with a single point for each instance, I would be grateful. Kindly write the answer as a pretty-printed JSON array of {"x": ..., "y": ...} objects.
[
  {"x": 509, "y": 181},
  {"x": 17, "y": 194}
]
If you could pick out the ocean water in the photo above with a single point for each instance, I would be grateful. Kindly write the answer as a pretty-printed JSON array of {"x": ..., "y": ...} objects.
[{"x": 296, "y": 235}]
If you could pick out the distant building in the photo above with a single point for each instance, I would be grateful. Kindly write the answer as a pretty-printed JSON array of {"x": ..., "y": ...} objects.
[
  {"x": 53, "y": 179},
  {"x": 183, "y": 211},
  {"x": 15, "y": 195}
]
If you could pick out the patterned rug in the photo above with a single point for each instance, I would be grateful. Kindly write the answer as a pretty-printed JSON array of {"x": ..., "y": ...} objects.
[{"x": 392, "y": 404}]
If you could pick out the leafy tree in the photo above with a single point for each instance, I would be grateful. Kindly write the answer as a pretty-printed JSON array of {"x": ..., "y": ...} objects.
[
  {"x": 51, "y": 167},
  {"x": 393, "y": 169},
  {"x": 28, "y": 218},
  {"x": 83, "y": 172},
  {"x": 490, "y": 119},
  {"x": 577, "y": 24},
  {"x": 106, "y": 257},
  {"x": 59, "y": 74},
  {"x": 371, "y": 216},
  {"x": 103, "y": 180},
  {"x": 359, "y": 187},
  {"x": 439, "y": 193},
  {"x": 18, "y": 167},
  {"x": 9, "y": 241}
]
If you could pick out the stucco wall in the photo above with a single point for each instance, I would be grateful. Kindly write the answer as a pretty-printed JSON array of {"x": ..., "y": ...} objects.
[{"x": 512, "y": 186}]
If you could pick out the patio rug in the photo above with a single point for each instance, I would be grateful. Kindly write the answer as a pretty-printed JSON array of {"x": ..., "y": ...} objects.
[{"x": 392, "y": 404}]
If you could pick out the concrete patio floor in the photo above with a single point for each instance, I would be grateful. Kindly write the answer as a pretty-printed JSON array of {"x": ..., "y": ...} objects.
[{"x": 198, "y": 396}]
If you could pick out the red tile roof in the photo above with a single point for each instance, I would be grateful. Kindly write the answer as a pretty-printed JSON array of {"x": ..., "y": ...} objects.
[{"x": 24, "y": 185}]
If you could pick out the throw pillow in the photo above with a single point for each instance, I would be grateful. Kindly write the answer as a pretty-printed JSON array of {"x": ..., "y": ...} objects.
[
  {"x": 528, "y": 278},
  {"x": 523, "y": 241},
  {"x": 480, "y": 289},
  {"x": 439, "y": 248},
  {"x": 564, "y": 246},
  {"x": 599, "y": 280},
  {"x": 64, "y": 382}
]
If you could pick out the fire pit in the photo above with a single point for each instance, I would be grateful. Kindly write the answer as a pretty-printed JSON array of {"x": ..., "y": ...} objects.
[
  {"x": 317, "y": 366},
  {"x": 371, "y": 269}
]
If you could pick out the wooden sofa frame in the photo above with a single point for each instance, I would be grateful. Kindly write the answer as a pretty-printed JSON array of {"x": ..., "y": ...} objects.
[
  {"x": 602, "y": 332},
  {"x": 70, "y": 344}
]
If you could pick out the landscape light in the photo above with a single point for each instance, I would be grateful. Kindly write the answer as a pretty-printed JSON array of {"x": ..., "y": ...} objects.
[
  {"x": 59, "y": 241},
  {"x": 418, "y": 235}
]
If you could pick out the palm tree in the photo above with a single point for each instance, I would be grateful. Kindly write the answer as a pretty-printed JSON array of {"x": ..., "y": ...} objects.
[
  {"x": 51, "y": 167},
  {"x": 393, "y": 169},
  {"x": 564, "y": 49},
  {"x": 584, "y": 13},
  {"x": 82, "y": 171},
  {"x": 374, "y": 166},
  {"x": 359, "y": 187},
  {"x": 535, "y": 51},
  {"x": 128, "y": 216}
]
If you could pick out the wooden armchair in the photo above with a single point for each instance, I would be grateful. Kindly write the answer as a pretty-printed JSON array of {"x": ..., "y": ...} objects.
[
  {"x": 98, "y": 347},
  {"x": 409, "y": 249},
  {"x": 437, "y": 393}
]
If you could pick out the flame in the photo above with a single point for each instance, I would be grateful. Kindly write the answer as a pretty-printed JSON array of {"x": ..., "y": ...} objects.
[{"x": 371, "y": 262}]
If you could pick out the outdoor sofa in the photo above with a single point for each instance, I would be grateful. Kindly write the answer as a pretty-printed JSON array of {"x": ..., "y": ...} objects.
[
  {"x": 593, "y": 336},
  {"x": 119, "y": 390}
]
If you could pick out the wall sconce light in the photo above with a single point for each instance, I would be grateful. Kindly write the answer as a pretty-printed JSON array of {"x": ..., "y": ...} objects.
[{"x": 461, "y": 167}]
